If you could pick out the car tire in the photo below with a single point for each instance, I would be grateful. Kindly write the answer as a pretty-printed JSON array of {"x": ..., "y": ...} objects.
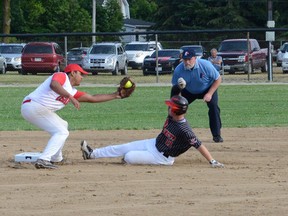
[
  {"x": 125, "y": 69},
  {"x": 264, "y": 68},
  {"x": 231, "y": 71},
  {"x": 116, "y": 70},
  {"x": 23, "y": 72},
  {"x": 144, "y": 72},
  {"x": 3, "y": 70}
]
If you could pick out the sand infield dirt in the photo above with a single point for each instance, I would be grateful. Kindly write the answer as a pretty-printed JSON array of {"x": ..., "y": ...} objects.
[{"x": 254, "y": 181}]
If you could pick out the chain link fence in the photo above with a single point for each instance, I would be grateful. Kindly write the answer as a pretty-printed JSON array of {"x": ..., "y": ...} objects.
[{"x": 68, "y": 41}]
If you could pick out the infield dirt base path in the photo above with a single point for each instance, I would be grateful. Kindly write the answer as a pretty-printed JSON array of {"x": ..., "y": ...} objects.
[{"x": 254, "y": 181}]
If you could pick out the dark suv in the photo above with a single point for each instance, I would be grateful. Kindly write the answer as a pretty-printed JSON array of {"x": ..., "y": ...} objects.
[{"x": 42, "y": 57}]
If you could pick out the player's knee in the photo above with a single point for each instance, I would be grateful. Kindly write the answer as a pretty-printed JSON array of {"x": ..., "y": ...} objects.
[
  {"x": 64, "y": 133},
  {"x": 129, "y": 158}
]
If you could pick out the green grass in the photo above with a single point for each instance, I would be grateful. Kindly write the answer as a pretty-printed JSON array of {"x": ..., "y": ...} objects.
[{"x": 241, "y": 106}]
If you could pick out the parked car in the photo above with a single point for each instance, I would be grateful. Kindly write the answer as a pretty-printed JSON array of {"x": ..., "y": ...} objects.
[
  {"x": 168, "y": 59},
  {"x": 12, "y": 53},
  {"x": 76, "y": 55},
  {"x": 42, "y": 57},
  {"x": 236, "y": 57},
  {"x": 199, "y": 50},
  {"x": 2, "y": 65},
  {"x": 106, "y": 57},
  {"x": 280, "y": 54},
  {"x": 137, "y": 51},
  {"x": 285, "y": 63}
]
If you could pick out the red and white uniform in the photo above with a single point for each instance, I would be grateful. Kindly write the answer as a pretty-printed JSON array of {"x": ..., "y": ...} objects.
[{"x": 39, "y": 109}]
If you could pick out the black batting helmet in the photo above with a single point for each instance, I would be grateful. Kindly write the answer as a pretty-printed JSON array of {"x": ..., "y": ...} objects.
[{"x": 178, "y": 104}]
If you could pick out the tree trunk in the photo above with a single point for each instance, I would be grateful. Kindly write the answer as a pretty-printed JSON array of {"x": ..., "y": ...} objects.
[{"x": 6, "y": 19}]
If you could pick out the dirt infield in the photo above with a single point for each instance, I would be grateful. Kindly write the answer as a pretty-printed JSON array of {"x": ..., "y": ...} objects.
[{"x": 254, "y": 181}]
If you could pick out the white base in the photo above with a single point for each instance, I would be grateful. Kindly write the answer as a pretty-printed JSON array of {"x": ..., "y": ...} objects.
[{"x": 27, "y": 157}]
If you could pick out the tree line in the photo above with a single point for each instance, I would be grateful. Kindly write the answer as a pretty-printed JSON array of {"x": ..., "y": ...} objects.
[{"x": 54, "y": 16}]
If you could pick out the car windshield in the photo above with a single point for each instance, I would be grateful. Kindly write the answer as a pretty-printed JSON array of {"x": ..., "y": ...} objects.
[
  {"x": 233, "y": 46},
  {"x": 140, "y": 47},
  {"x": 103, "y": 49},
  {"x": 166, "y": 53},
  {"x": 76, "y": 52},
  {"x": 284, "y": 48},
  {"x": 38, "y": 49},
  {"x": 197, "y": 49},
  {"x": 11, "y": 49}
]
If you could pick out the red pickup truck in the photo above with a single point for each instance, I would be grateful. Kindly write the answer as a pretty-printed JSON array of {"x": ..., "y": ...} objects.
[{"x": 234, "y": 53}]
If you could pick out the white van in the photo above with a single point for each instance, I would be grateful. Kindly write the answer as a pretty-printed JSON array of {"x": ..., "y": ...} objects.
[{"x": 137, "y": 51}]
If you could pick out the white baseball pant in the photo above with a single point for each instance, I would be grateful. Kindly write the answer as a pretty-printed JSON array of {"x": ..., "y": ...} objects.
[
  {"x": 137, "y": 152},
  {"x": 50, "y": 122}
]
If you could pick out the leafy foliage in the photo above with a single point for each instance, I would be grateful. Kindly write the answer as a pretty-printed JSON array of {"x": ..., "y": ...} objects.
[{"x": 54, "y": 16}]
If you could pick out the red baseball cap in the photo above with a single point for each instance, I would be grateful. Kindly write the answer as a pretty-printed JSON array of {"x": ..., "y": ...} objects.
[{"x": 74, "y": 67}]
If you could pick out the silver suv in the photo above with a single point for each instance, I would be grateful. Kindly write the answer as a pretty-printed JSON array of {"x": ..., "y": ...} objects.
[
  {"x": 137, "y": 51},
  {"x": 106, "y": 57},
  {"x": 12, "y": 53}
]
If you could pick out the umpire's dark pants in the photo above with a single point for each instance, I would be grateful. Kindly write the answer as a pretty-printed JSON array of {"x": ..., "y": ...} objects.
[{"x": 214, "y": 110}]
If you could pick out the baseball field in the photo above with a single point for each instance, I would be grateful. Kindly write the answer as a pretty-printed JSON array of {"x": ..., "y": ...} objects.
[{"x": 253, "y": 182}]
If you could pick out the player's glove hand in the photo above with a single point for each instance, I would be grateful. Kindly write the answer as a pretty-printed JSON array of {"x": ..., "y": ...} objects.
[
  {"x": 216, "y": 164},
  {"x": 181, "y": 83},
  {"x": 126, "y": 87}
]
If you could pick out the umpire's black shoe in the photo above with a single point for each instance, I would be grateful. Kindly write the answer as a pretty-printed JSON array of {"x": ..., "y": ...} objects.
[
  {"x": 86, "y": 150},
  {"x": 218, "y": 139}
]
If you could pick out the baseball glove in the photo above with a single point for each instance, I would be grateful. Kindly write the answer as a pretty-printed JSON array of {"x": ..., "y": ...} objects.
[{"x": 126, "y": 87}]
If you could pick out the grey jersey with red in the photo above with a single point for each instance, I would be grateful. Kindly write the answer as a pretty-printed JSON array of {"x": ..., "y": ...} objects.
[{"x": 176, "y": 138}]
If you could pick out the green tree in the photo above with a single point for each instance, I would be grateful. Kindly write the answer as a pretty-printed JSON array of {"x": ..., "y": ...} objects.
[
  {"x": 143, "y": 9},
  {"x": 6, "y": 18}
]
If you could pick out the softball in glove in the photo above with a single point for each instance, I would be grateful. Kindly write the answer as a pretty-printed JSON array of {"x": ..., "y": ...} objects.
[{"x": 126, "y": 87}]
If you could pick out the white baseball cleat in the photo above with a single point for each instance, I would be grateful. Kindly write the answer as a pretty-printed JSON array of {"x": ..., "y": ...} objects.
[{"x": 43, "y": 164}]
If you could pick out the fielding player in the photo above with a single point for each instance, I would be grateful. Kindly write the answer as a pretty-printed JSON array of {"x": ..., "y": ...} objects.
[
  {"x": 175, "y": 138},
  {"x": 40, "y": 106}
]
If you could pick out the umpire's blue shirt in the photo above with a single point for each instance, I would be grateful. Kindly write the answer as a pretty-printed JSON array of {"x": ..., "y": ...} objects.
[{"x": 199, "y": 79}]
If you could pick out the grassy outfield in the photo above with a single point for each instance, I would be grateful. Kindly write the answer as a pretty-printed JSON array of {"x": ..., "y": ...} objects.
[{"x": 241, "y": 106}]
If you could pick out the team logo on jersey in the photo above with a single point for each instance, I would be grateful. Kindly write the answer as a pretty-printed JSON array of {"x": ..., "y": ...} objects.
[
  {"x": 63, "y": 100},
  {"x": 170, "y": 137}
]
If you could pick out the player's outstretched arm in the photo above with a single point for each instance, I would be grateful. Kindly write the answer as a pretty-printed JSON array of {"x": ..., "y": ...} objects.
[
  {"x": 204, "y": 151},
  {"x": 97, "y": 98}
]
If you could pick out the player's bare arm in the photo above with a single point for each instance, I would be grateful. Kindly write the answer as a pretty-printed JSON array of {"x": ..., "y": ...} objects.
[
  {"x": 97, "y": 98},
  {"x": 204, "y": 151},
  {"x": 57, "y": 87}
]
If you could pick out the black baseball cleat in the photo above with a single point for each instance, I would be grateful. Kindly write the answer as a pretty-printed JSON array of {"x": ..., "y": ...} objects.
[
  {"x": 218, "y": 139},
  {"x": 86, "y": 150}
]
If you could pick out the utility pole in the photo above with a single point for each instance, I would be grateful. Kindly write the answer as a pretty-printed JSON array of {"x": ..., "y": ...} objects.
[
  {"x": 94, "y": 21},
  {"x": 270, "y": 36}
]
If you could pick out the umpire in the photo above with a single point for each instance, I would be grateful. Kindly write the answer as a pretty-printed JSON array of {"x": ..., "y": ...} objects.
[{"x": 198, "y": 79}]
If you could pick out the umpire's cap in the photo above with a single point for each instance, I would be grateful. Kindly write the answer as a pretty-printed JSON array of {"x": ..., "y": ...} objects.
[
  {"x": 188, "y": 53},
  {"x": 178, "y": 104}
]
